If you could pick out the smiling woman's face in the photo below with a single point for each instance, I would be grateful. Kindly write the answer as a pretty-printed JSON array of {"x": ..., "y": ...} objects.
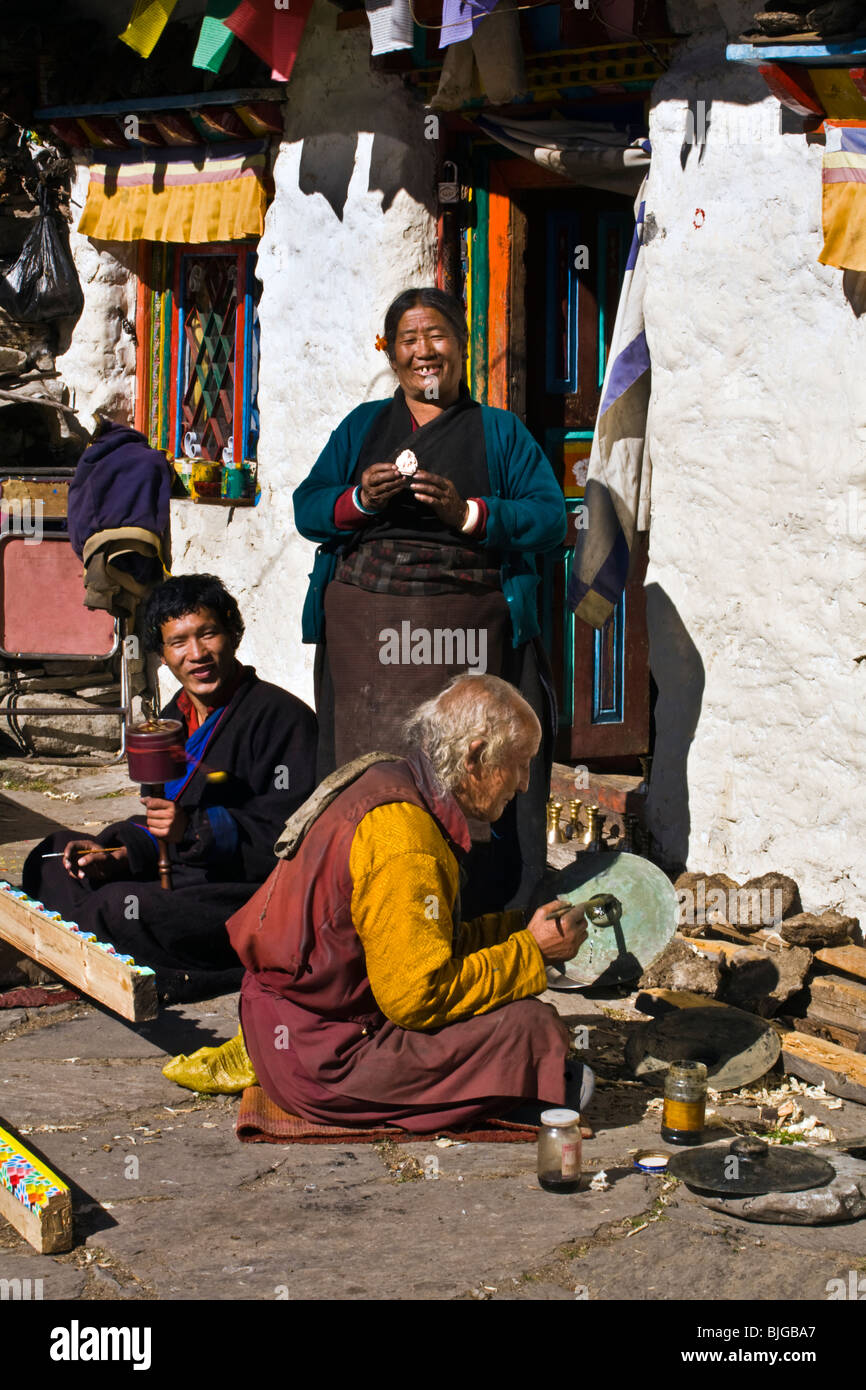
[{"x": 426, "y": 349}]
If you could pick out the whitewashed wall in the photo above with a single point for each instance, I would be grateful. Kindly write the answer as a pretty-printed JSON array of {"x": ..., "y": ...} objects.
[
  {"x": 346, "y": 231},
  {"x": 757, "y": 574}
]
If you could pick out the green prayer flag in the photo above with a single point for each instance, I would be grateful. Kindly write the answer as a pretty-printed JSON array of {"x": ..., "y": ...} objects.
[{"x": 214, "y": 40}]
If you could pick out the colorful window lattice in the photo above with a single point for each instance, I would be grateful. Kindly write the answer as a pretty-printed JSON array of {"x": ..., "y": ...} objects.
[{"x": 199, "y": 368}]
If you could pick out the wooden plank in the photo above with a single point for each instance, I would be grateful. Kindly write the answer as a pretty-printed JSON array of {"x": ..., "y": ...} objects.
[
  {"x": 830, "y": 1032},
  {"x": 89, "y": 965},
  {"x": 837, "y": 1000},
  {"x": 53, "y": 496},
  {"x": 656, "y": 1000},
  {"x": 792, "y": 88},
  {"x": 33, "y": 1199},
  {"x": 499, "y": 271},
  {"x": 850, "y": 960},
  {"x": 726, "y": 949},
  {"x": 843, "y": 1072}
]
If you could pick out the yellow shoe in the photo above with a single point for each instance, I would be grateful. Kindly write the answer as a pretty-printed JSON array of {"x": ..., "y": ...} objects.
[{"x": 223, "y": 1070}]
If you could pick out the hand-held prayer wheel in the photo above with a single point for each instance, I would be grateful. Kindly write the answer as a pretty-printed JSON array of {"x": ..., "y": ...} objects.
[{"x": 156, "y": 755}]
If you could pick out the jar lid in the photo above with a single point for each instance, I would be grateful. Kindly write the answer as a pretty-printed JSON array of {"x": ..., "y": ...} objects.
[{"x": 559, "y": 1117}]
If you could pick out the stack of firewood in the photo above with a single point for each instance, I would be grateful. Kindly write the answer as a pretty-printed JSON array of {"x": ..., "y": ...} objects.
[{"x": 753, "y": 947}]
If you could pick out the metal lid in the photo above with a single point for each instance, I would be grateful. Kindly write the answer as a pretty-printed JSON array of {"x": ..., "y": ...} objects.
[
  {"x": 748, "y": 1167},
  {"x": 559, "y": 1117}
]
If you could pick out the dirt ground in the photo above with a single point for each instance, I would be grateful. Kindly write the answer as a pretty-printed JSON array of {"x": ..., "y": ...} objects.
[{"x": 169, "y": 1205}]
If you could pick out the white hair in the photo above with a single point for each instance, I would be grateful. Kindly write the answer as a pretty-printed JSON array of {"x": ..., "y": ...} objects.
[{"x": 472, "y": 706}]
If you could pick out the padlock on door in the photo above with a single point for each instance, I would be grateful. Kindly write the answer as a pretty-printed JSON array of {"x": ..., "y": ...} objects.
[{"x": 449, "y": 188}]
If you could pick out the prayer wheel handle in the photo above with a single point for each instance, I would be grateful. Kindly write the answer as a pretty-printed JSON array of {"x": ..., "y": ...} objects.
[{"x": 158, "y": 790}]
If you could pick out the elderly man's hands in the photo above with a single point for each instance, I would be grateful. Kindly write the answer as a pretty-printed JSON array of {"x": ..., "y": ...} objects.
[{"x": 560, "y": 938}]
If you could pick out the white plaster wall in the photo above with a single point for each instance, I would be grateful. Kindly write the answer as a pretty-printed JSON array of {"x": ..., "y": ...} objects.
[
  {"x": 343, "y": 236},
  {"x": 757, "y": 577},
  {"x": 98, "y": 365}
]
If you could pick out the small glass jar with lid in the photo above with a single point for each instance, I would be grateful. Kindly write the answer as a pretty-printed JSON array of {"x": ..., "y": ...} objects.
[
  {"x": 685, "y": 1103},
  {"x": 559, "y": 1151}
]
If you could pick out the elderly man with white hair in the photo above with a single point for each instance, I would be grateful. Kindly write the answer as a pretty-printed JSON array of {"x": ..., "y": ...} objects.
[{"x": 367, "y": 1000}]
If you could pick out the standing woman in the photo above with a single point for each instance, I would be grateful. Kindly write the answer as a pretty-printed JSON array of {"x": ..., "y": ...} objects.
[{"x": 425, "y": 571}]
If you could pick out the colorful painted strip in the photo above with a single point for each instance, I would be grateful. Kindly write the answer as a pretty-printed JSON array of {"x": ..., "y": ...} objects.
[
  {"x": 87, "y": 937},
  {"x": 21, "y": 1173}
]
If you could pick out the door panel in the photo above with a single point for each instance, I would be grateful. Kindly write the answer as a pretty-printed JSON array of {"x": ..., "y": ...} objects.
[{"x": 577, "y": 246}]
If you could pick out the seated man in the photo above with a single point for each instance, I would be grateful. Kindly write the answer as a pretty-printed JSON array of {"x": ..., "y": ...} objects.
[
  {"x": 367, "y": 1000},
  {"x": 251, "y": 757}
]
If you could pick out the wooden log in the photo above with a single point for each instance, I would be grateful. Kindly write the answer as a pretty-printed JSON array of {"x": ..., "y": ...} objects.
[
  {"x": 843, "y": 1072},
  {"x": 33, "y": 1199},
  {"x": 850, "y": 960},
  {"x": 837, "y": 1000},
  {"x": 89, "y": 965},
  {"x": 831, "y": 1032}
]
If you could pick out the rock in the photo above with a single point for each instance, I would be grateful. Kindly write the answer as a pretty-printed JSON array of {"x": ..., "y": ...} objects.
[
  {"x": 764, "y": 902},
  {"x": 843, "y": 1199},
  {"x": 828, "y": 929},
  {"x": 11, "y": 359},
  {"x": 761, "y": 981},
  {"x": 679, "y": 967},
  {"x": 702, "y": 899}
]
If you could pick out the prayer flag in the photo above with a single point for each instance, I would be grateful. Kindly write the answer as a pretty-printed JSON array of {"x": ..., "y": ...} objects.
[
  {"x": 272, "y": 31},
  {"x": 146, "y": 23},
  {"x": 844, "y": 198}
]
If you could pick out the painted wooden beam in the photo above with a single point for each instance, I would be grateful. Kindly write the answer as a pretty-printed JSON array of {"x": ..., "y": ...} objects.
[
  {"x": 89, "y": 965},
  {"x": 793, "y": 88},
  {"x": 33, "y": 1199}
]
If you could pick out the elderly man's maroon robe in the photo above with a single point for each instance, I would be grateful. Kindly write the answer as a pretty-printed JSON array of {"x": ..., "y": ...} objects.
[{"x": 321, "y": 1046}]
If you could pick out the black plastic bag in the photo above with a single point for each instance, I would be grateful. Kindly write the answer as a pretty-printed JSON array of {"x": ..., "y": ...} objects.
[{"x": 42, "y": 284}]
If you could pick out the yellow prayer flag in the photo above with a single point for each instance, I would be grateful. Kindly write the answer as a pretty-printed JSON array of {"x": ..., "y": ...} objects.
[{"x": 146, "y": 23}]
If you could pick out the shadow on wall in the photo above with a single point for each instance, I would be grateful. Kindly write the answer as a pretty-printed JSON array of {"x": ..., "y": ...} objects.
[
  {"x": 328, "y": 162},
  {"x": 678, "y": 672}
]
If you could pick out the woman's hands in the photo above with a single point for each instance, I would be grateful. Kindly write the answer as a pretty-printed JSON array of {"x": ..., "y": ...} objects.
[
  {"x": 381, "y": 481},
  {"x": 440, "y": 494}
]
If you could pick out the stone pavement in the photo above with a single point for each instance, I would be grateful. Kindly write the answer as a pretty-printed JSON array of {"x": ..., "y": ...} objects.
[{"x": 169, "y": 1205}]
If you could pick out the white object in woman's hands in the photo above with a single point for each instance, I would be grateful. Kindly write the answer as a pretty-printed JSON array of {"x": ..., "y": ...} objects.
[{"x": 406, "y": 463}]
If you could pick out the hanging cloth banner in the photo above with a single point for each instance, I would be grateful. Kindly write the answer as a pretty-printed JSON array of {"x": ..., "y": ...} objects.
[
  {"x": 218, "y": 193},
  {"x": 390, "y": 25},
  {"x": 146, "y": 23},
  {"x": 617, "y": 495},
  {"x": 844, "y": 198},
  {"x": 272, "y": 30},
  {"x": 583, "y": 152},
  {"x": 214, "y": 39}
]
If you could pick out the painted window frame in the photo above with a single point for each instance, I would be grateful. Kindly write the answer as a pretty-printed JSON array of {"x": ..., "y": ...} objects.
[{"x": 159, "y": 328}]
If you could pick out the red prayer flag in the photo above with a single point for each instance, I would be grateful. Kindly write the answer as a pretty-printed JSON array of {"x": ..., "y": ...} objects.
[{"x": 273, "y": 34}]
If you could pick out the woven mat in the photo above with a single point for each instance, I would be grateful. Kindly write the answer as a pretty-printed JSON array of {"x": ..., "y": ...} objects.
[{"x": 260, "y": 1121}]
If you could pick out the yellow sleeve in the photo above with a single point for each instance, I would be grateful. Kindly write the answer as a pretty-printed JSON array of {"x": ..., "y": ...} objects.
[
  {"x": 488, "y": 930},
  {"x": 405, "y": 881}
]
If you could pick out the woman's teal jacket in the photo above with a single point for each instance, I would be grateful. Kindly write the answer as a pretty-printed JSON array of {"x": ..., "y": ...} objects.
[{"x": 526, "y": 511}]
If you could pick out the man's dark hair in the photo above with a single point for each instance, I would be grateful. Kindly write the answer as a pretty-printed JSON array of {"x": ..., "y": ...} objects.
[
  {"x": 187, "y": 593},
  {"x": 449, "y": 307}
]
